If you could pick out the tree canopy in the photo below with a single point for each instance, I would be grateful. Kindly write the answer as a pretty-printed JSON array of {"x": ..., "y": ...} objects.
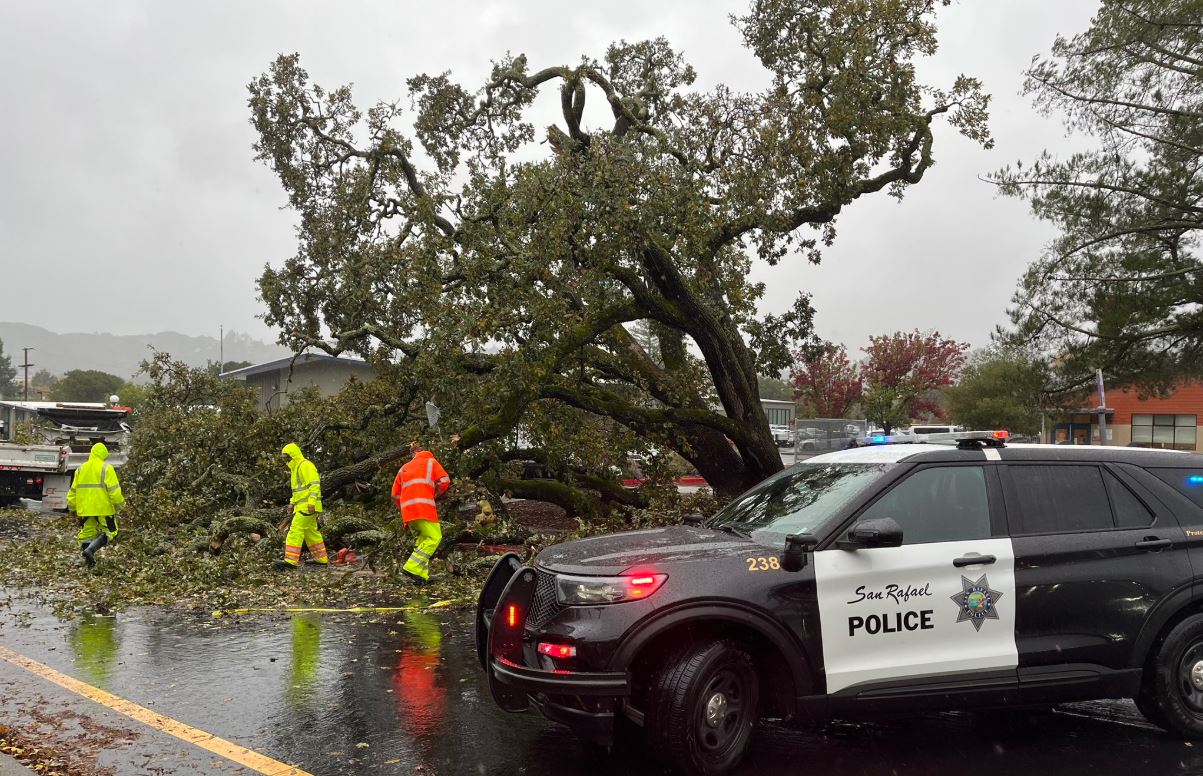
[
  {"x": 774, "y": 388},
  {"x": 86, "y": 385},
  {"x": 8, "y": 373},
  {"x": 903, "y": 373},
  {"x": 826, "y": 381},
  {"x": 1121, "y": 287},
  {"x": 999, "y": 388},
  {"x": 502, "y": 272}
]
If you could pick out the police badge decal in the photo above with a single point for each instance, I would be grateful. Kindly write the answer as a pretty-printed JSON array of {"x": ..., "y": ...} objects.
[{"x": 975, "y": 602}]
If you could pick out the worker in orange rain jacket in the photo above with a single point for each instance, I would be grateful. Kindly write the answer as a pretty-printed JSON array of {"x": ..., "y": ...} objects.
[
  {"x": 305, "y": 506},
  {"x": 415, "y": 488}
]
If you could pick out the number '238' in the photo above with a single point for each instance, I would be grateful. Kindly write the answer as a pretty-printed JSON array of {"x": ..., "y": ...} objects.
[{"x": 763, "y": 563}]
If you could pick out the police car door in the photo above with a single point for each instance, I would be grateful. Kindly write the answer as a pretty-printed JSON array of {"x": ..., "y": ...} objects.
[{"x": 939, "y": 605}]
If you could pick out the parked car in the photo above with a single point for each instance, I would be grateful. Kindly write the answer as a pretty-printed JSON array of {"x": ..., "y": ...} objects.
[
  {"x": 782, "y": 435},
  {"x": 867, "y": 582},
  {"x": 931, "y": 429}
]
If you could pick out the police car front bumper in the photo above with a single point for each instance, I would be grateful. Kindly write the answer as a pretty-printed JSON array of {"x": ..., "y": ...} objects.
[
  {"x": 533, "y": 680},
  {"x": 586, "y": 702}
]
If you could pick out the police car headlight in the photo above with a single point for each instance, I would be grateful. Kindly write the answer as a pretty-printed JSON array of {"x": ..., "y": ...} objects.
[{"x": 606, "y": 590}]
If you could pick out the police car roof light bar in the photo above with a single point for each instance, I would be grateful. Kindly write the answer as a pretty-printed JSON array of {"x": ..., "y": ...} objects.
[{"x": 968, "y": 440}]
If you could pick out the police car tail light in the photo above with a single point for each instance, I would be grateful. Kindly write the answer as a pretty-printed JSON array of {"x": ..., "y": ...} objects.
[
  {"x": 572, "y": 590},
  {"x": 551, "y": 649},
  {"x": 1003, "y": 435}
]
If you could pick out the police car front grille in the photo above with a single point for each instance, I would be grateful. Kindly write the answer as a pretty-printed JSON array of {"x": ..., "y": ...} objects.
[{"x": 544, "y": 606}]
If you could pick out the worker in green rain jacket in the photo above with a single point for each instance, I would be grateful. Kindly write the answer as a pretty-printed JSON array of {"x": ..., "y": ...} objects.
[
  {"x": 305, "y": 506},
  {"x": 95, "y": 497}
]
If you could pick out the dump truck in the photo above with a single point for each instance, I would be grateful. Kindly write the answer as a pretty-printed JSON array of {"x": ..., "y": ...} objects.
[{"x": 64, "y": 434}]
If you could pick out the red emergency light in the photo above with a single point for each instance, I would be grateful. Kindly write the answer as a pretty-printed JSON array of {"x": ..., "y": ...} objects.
[
  {"x": 643, "y": 585},
  {"x": 552, "y": 649},
  {"x": 511, "y": 616}
]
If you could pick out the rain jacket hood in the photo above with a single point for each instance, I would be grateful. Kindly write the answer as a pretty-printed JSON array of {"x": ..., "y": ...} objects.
[
  {"x": 304, "y": 480},
  {"x": 100, "y": 452},
  {"x": 293, "y": 452}
]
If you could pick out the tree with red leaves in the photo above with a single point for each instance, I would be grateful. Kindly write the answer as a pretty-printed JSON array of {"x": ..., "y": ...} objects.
[
  {"x": 825, "y": 380},
  {"x": 902, "y": 373}
]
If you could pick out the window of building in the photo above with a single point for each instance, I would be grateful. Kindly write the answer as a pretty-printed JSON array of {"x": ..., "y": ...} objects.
[
  {"x": 777, "y": 416},
  {"x": 1169, "y": 432},
  {"x": 1056, "y": 499},
  {"x": 940, "y": 504}
]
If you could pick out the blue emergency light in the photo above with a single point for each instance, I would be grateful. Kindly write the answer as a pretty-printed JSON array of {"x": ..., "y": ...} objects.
[
  {"x": 1195, "y": 479},
  {"x": 881, "y": 440}
]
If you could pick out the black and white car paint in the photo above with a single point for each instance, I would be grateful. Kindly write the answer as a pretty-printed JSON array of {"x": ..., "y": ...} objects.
[{"x": 934, "y": 578}]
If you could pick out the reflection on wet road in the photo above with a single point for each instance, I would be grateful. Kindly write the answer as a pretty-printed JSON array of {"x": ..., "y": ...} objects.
[{"x": 341, "y": 694}]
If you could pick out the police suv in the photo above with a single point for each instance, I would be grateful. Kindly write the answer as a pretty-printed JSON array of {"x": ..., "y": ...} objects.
[{"x": 870, "y": 581}]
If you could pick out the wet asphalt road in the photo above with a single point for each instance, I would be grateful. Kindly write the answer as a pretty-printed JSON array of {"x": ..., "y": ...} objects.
[{"x": 402, "y": 693}]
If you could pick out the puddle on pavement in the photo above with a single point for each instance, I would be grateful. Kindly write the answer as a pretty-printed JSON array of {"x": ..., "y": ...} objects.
[{"x": 399, "y": 693}]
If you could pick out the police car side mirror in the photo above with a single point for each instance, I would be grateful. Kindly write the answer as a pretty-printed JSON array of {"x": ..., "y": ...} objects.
[
  {"x": 884, "y": 532},
  {"x": 796, "y": 547}
]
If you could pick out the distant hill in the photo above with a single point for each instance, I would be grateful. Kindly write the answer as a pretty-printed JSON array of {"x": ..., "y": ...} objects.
[{"x": 121, "y": 354}]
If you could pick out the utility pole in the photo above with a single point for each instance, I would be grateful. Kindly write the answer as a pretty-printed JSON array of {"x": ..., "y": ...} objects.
[
  {"x": 26, "y": 366},
  {"x": 1098, "y": 377},
  {"x": 221, "y": 349}
]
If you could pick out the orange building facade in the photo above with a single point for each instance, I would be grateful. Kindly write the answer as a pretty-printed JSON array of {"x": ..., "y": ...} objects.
[{"x": 1169, "y": 423}]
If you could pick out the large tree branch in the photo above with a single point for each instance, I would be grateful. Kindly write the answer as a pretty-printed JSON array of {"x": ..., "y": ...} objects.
[
  {"x": 1100, "y": 100},
  {"x": 908, "y": 170},
  {"x": 609, "y": 404}
]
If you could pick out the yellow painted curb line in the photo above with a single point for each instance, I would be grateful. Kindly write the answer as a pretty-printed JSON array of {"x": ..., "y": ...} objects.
[{"x": 247, "y": 758}]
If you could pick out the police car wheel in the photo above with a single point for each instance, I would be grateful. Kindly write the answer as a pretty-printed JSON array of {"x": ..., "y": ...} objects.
[
  {"x": 703, "y": 707},
  {"x": 1173, "y": 690}
]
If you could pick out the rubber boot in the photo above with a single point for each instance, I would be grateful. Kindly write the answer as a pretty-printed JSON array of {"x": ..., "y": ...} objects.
[
  {"x": 83, "y": 547},
  {"x": 94, "y": 547},
  {"x": 415, "y": 578},
  {"x": 283, "y": 565}
]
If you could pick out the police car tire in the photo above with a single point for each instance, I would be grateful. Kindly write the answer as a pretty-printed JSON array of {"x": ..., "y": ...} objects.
[
  {"x": 675, "y": 706},
  {"x": 1162, "y": 694},
  {"x": 1150, "y": 710}
]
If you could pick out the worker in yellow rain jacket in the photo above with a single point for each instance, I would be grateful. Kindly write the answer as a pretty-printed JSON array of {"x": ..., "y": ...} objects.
[
  {"x": 95, "y": 497},
  {"x": 305, "y": 506}
]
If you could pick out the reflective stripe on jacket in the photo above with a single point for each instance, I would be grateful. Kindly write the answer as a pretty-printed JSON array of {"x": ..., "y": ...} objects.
[
  {"x": 305, "y": 482},
  {"x": 95, "y": 490},
  {"x": 417, "y": 485}
]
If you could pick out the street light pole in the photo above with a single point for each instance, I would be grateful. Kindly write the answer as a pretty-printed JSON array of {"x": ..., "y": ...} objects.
[{"x": 26, "y": 366}]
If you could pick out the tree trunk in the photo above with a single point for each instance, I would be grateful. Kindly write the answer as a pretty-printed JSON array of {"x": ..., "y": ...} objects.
[{"x": 366, "y": 469}]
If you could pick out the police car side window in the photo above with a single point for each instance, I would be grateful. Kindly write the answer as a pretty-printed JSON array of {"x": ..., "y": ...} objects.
[
  {"x": 1130, "y": 512},
  {"x": 1057, "y": 499},
  {"x": 937, "y": 504},
  {"x": 1186, "y": 482}
]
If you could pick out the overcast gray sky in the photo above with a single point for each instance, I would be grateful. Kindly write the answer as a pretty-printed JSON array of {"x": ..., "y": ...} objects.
[{"x": 126, "y": 167}]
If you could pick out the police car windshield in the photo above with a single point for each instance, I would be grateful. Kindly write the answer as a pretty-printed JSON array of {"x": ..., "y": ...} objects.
[{"x": 797, "y": 500}]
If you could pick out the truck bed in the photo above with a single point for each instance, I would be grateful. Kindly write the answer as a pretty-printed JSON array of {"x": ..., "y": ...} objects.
[{"x": 47, "y": 459}]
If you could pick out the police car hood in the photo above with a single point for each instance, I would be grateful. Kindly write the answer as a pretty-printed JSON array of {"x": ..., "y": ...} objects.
[{"x": 648, "y": 550}]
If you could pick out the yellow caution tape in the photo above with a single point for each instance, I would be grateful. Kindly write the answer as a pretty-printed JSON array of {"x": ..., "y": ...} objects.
[{"x": 415, "y": 607}]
